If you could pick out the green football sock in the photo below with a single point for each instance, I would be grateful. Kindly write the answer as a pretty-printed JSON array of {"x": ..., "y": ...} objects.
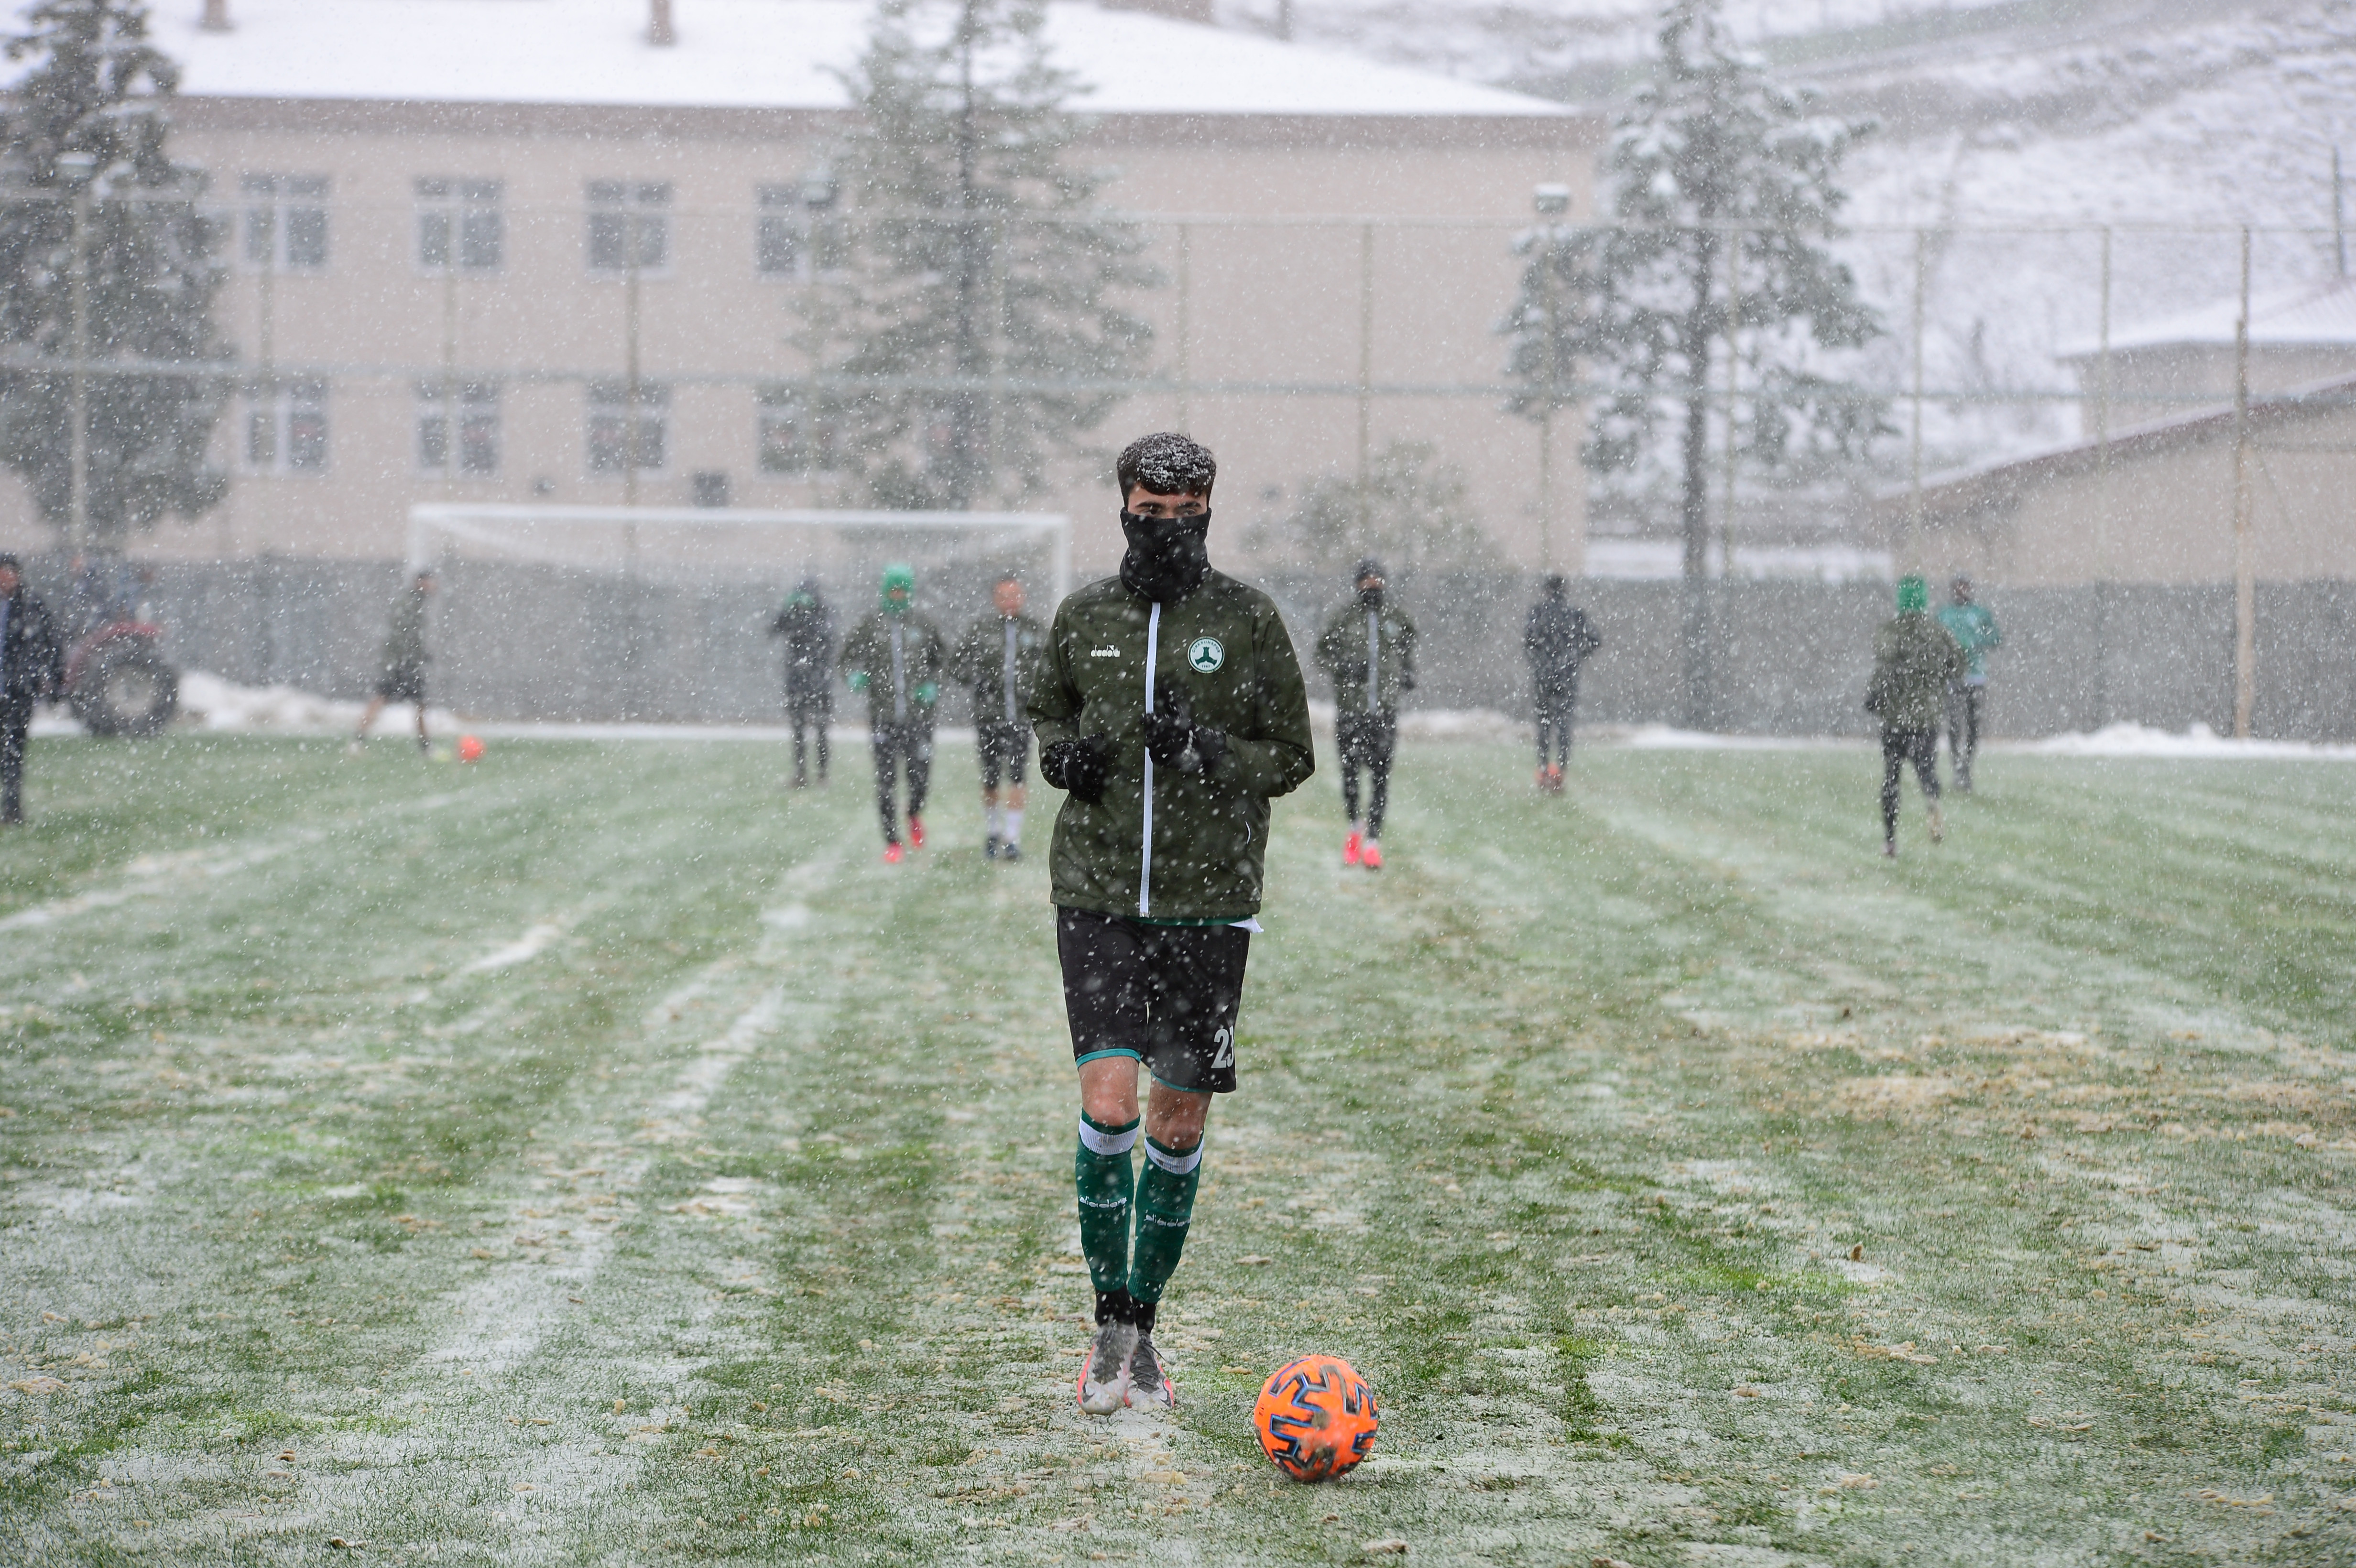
[
  {"x": 1100, "y": 1177},
  {"x": 1165, "y": 1207}
]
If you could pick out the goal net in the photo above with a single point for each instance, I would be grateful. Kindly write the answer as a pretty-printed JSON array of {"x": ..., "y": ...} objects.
[{"x": 663, "y": 613}]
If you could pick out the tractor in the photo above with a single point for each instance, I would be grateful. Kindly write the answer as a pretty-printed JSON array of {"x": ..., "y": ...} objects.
[{"x": 117, "y": 679}]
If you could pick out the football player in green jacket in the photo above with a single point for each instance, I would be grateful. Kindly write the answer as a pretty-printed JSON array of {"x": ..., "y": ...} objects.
[
  {"x": 999, "y": 659},
  {"x": 1171, "y": 712},
  {"x": 896, "y": 656},
  {"x": 1368, "y": 649}
]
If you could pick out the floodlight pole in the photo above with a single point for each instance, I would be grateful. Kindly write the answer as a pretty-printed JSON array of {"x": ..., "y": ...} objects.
[
  {"x": 2246, "y": 644},
  {"x": 1365, "y": 372},
  {"x": 78, "y": 506},
  {"x": 2102, "y": 573}
]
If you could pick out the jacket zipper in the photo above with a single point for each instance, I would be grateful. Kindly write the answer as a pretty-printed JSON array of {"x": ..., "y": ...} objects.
[
  {"x": 899, "y": 680},
  {"x": 1374, "y": 661},
  {"x": 1145, "y": 859},
  {"x": 1010, "y": 672}
]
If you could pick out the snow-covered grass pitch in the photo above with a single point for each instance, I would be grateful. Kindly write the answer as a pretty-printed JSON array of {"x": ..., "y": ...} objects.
[{"x": 597, "y": 1156}]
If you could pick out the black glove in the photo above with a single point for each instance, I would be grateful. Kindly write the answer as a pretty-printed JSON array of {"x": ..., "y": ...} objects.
[
  {"x": 1407, "y": 680},
  {"x": 1076, "y": 766},
  {"x": 1169, "y": 727},
  {"x": 1175, "y": 740}
]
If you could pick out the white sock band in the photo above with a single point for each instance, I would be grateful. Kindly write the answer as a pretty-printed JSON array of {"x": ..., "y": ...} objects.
[
  {"x": 1097, "y": 1142},
  {"x": 1175, "y": 1164}
]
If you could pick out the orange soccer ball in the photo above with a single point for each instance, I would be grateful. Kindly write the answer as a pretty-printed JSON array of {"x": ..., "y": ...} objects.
[
  {"x": 470, "y": 749},
  {"x": 1316, "y": 1418}
]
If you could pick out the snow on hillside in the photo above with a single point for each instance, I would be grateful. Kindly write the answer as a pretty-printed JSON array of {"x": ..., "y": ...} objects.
[{"x": 2012, "y": 131}]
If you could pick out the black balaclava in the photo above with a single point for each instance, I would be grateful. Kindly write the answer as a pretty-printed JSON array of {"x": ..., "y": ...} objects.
[
  {"x": 1369, "y": 598},
  {"x": 1167, "y": 559}
]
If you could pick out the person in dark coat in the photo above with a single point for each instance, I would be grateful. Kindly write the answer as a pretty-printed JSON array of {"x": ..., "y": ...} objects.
[
  {"x": 32, "y": 667},
  {"x": 1915, "y": 660},
  {"x": 1558, "y": 638},
  {"x": 1368, "y": 649},
  {"x": 806, "y": 623},
  {"x": 401, "y": 671}
]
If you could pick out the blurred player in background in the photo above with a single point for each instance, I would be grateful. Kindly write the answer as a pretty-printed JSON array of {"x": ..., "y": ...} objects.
[
  {"x": 1171, "y": 710},
  {"x": 1914, "y": 662},
  {"x": 808, "y": 625},
  {"x": 1368, "y": 648},
  {"x": 401, "y": 670},
  {"x": 1974, "y": 629},
  {"x": 999, "y": 657},
  {"x": 896, "y": 657},
  {"x": 32, "y": 668},
  {"x": 1558, "y": 638}
]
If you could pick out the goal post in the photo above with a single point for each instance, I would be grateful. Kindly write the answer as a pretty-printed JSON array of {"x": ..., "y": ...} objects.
[
  {"x": 667, "y": 612},
  {"x": 645, "y": 540}
]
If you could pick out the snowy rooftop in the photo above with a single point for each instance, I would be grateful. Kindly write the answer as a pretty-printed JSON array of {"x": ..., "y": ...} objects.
[
  {"x": 2313, "y": 315},
  {"x": 753, "y": 54}
]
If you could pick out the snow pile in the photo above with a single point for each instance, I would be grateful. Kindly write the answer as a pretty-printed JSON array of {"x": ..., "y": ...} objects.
[
  {"x": 209, "y": 702},
  {"x": 1668, "y": 738},
  {"x": 2200, "y": 742}
]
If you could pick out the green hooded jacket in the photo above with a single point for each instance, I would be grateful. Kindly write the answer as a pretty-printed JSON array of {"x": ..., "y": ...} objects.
[
  {"x": 1184, "y": 848},
  {"x": 1914, "y": 662},
  {"x": 1342, "y": 653},
  {"x": 898, "y": 661},
  {"x": 1001, "y": 669}
]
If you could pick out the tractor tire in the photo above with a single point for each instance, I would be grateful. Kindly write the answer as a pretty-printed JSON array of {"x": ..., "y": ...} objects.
[{"x": 127, "y": 690}]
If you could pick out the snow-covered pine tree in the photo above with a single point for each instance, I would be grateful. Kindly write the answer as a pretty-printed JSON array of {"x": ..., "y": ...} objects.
[
  {"x": 85, "y": 132},
  {"x": 1711, "y": 153},
  {"x": 981, "y": 277}
]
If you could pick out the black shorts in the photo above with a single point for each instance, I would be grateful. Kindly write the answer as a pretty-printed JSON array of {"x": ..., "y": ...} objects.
[
  {"x": 1002, "y": 749},
  {"x": 402, "y": 685},
  {"x": 1165, "y": 995}
]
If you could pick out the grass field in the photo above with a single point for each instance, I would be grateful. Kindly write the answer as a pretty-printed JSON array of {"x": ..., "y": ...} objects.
[{"x": 596, "y": 1155}]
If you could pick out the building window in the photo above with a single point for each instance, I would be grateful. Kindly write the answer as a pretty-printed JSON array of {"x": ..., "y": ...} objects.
[
  {"x": 286, "y": 427},
  {"x": 461, "y": 223},
  {"x": 792, "y": 438},
  {"x": 629, "y": 221},
  {"x": 613, "y": 428},
  {"x": 285, "y": 219},
  {"x": 798, "y": 235},
  {"x": 474, "y": 412}
]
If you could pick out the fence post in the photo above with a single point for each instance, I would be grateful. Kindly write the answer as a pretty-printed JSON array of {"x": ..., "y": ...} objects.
[{"x": 2245, "y": 646}]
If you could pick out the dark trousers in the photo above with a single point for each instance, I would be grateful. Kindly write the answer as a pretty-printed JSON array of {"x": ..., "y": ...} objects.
[
  {"x": 910, "y": 744},
  {"x": 1555, "y": 707},
  {"x": 810, "y": 710},
  {"x": 14, "y": 716},
  {"x": 1964, "y": 705},
  {"x": 1899, "y": 748},
  {"x": 1368, "y": 741}
]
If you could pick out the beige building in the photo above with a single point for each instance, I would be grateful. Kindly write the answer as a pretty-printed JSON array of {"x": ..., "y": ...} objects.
[
  {"x": 2156, "y": 504},
  {"x": 433, "y": 299}
]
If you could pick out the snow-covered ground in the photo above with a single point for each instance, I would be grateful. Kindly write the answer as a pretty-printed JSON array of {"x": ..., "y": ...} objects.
[{"x": 215, "y": 706}]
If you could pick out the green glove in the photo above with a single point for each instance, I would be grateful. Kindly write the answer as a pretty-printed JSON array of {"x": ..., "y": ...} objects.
[
  {"x": 858, "y": 679},
  {"x": 928, "y": 692}
]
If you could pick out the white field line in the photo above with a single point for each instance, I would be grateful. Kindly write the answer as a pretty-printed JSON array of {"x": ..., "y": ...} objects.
[
  {"x": 150, "y": 876},
  {"x": 527, "y": 946},
  {"x": 503, "y": 1317}
]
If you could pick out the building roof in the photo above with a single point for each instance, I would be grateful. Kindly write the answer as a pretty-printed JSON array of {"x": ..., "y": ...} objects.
[
  {"x": 1995, "y": 485},
  {"x": 2312, "y": 315},
  {"x": 755, "y": 54}
]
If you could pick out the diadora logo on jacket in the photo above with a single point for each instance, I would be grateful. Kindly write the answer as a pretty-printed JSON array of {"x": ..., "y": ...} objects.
[{"x": 1104, "y": 653}]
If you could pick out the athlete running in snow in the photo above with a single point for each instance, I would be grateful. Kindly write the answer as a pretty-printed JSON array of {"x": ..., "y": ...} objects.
[
  {"x": 1914, "y": 662},
  {"x": 1368, "y": 647},
  {"x": 808, "y": 626},
  {"x": 999, "y": 657},
  {"x": 1171, "y": 711},
  {"x": 894, "y": 656},
  {"x": 1558, "y": 638},
  {"x": 1975, "y": 631}
]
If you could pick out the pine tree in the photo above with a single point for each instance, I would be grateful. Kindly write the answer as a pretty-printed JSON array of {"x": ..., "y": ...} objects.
[
  {"x": 1412, "y": 513},
  {"x": 1711, "y": 155},
  {"x": 82, "y": 148},
  {"x": 981, "y": 276}
]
